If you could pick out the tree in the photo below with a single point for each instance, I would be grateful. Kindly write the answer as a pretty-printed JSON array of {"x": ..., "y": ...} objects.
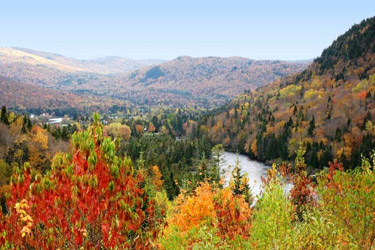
[
  {"x": 239, "y": 183},
  {"x": 156, "y": 178},
  {"x": 117, "y": 130},
  {"x": 312, "y": 126},
  {"x": 254, "y": 148},
  {"x": 208, "y": 208},
  {"x": 37, "y": 147},
  {"x": 303, "y": 188},
  {"x": 217, "y": 161},
  {"x": 151, "y": 128},
  {"x": 4, "y": 115},
  {"x": 91, "y": 199}
]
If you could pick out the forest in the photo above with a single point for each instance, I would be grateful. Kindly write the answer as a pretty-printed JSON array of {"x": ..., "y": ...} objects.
[
  {"x": 145, "y": 176},
  {"x": 113, "y": 190},
  {"x": 329, "y": 108}
]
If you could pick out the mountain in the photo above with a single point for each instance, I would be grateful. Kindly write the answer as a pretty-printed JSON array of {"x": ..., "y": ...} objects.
[
  {"x": 329, "y": 108},
  {"x": 203, "y": 82},
  {"x": 195, "y": 82},
  {"x": 104, "y": 65},
  {"x": 17, "y": 94},
  {"x": 31, "y": 96},
  {"x": 57, "y": 72}
]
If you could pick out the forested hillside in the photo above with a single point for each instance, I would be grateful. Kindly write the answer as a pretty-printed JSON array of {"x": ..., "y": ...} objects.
[
  {"x": 24, "y": 96},
  {"x": 94, "y": 197},
  {"x": 206, "y": 82},
  {"x": 93, "y": 156},
  {"x": 329, "y": 108}
]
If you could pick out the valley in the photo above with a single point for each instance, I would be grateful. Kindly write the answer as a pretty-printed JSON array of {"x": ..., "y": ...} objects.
[
  {"x": 204, "y": 152},
  {"x": 184, "y": 82}
]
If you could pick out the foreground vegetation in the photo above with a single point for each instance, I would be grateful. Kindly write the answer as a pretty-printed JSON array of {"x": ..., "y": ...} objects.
[
  {"x": 94, "y": 198},
  {"x": 150, "y": 179}
]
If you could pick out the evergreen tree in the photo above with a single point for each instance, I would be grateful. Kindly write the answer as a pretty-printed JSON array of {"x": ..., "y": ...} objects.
[
  {"x": 29, "y": 124},
  {"x": 203, "y": 170},
  {"x": 312, "y": 126},
  {"x": 240, "y": 183},
  {"x": 217, "y": 161},
  {"x": 64, "y": 133},
  {"x": 4, "y": 115}
]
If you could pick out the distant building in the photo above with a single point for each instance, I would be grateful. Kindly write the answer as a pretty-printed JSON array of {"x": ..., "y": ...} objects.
[
  {"x": 57, "y": 122},
  {"x": 53, "y": 121}
]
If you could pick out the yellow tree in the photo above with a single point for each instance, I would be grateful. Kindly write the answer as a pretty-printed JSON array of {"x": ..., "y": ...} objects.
[{"x": 38, "y": 148}]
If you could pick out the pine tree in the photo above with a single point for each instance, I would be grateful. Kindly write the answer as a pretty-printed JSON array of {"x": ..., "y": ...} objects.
[
  {"x": 29, "y": 124},
  {"x": 312, "y": 126},
  {"x": 217, "y": 161},
  {"x": 4, "y": 115},
  {"x": 240, "y": 183}
]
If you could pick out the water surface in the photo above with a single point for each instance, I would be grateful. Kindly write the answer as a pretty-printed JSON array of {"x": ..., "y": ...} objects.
[{"x": 254, "y": 169}]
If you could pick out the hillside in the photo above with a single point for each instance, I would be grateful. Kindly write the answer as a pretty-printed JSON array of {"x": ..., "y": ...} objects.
[
  {"x": 329, "y": 108},
  {"x": 104, "y": 65},
  {"x": 208, "y": 82},
  {"x": 31, "y": 96},
  {"x": 195, "y": 82},
  {"x": 59, "y": 72}
]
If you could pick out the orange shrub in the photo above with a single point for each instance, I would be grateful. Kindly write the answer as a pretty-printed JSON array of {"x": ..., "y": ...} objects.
[{"x": 214, "y": 207}]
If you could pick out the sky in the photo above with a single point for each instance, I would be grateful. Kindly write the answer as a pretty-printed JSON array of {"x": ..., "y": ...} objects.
[{"x": 138, "y": 29}]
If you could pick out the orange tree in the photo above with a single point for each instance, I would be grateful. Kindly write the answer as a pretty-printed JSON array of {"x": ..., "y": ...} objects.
[
  {"x": 207, "y": 211},
  {"x": 90, "y": 199}
]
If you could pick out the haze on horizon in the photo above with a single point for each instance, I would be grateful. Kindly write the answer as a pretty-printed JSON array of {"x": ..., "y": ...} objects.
[{"x": 287, "y": 30}]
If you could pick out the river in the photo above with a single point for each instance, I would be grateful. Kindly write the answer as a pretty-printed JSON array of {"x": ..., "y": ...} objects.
[{"x": 254, "y": 169}]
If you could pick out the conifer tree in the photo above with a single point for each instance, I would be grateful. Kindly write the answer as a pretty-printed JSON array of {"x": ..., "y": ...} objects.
[
  {"x": 4, "y": 115},
  {"x": 239, "y": 183},
  {"x": 312, "y": 126}
]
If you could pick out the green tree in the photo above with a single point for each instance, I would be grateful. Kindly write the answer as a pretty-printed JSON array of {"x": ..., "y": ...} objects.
[
  {"x": 239, "y": 183},
  {"x": 217, "y": 161},
  {"x": 4, "y": 115},
  {"x": 312, "y": 126}
]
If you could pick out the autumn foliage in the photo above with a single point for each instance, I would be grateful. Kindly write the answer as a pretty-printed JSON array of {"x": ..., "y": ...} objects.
[
  {"x": 90, "y": 199},
  {"x": 348, "y": 199},
  {"x": 228, "y": 214},
  {"x": 303, "y": 192},
  {"x": 93, "y": 199}
]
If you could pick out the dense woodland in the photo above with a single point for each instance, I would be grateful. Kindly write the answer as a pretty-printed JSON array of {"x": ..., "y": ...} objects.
[
  {"x": 92, "y": 197},
  {"x": 329, "y": 108},
  {"x": 152, "y": 179}
]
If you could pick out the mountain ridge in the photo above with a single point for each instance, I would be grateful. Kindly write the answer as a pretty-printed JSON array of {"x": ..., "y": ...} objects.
[
  {"x": 329, "y": 108},
  {"x": 102, "y": 65},
  {"x": 185, "y": 81}
]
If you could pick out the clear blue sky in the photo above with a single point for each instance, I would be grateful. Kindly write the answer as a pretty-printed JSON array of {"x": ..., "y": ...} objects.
[{"x": 264, "y": 29}]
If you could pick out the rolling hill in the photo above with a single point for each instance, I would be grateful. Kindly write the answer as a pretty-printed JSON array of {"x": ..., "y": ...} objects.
[
  {"x": 329, "y": 108},
  {"x": 184, "y": 82},
  {"x": 209, "y": 81},
  {"x": 56, "y": 71},
  {"x": 104, "y": 65},
  {"x": 30, "y": 96}
]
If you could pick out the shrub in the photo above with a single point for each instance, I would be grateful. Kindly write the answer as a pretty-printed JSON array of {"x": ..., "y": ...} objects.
[{"x": 90, "y": 199}]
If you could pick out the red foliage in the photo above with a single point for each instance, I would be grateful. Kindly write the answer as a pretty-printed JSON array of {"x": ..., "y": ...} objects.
[
  {"x": 303, "y": 191},
  {"x": 93, "y": 200},
  {"x": 233, "y": 215},
  {"x": 333, "y": 168},
  {"x": 362, "y": 95}
]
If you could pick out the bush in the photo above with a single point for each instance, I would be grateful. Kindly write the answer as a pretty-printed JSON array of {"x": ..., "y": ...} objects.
[{"x": 91, "y": 199}]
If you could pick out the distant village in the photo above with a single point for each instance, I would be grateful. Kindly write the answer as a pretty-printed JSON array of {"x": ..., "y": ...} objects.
[{"x": 58, "y": 121}]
